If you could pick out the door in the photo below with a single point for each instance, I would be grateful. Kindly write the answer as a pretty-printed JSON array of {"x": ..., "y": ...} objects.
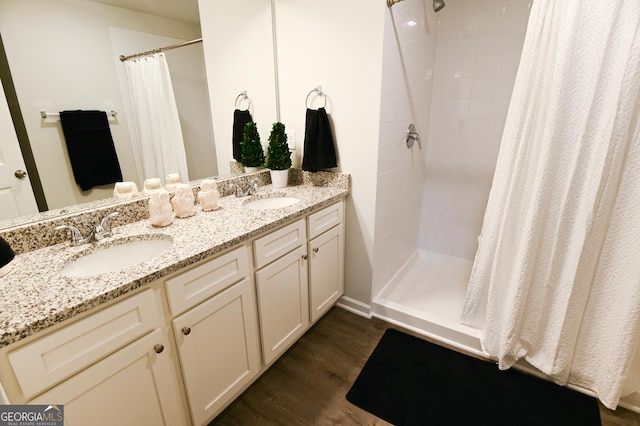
[
  {"x": 16, "y": 195},
  {"x": 218, "y": 346},
  {"x": 135, "y": 386},
  {"x": 283, "y": 302},
  {"x": 326, "y": 271}
]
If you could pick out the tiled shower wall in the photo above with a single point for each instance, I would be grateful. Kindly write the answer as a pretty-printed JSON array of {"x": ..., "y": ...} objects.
[
  {"x": 478, "y": 51},
  {"x": 407, "y": 77},
  {"x": 451, "y": 74}
]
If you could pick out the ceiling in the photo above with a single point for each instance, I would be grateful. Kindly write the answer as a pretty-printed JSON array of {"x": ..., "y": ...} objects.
[{"x": 182, "y": 10}]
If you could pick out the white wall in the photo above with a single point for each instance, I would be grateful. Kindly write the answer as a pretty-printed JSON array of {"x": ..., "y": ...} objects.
[
  {"x": 478, "y": 51},
  {"x": 407, "y": 84},
  {"x": 56, "y": 52},
  {"x": 338, "y": 45},
  {"x": 238, "y": 47}
]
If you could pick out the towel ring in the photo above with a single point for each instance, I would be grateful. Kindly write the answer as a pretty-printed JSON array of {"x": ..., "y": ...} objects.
[
  {"x": 318, "y": 91},
  {"x": 243, "y": 95}
]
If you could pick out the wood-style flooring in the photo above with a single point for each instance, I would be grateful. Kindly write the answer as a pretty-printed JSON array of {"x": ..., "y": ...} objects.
[{"x": 308, "y": 384}]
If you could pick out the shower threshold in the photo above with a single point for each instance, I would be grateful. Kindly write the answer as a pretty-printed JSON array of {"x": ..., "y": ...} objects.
[{"x": 426, "y": 296}]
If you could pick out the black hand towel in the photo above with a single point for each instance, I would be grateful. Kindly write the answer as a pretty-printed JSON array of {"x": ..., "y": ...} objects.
[
  {"x": 319, "y": 152},
  {"x": 6, "y": 253},
  {"x": 240, "y": 118},
  {"x": 90, "y": 146}
]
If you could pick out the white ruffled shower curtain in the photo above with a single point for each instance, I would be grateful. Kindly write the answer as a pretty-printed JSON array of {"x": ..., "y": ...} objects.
[
  {"x": 158, "y": 147},
  {"x": 556, "y": 279}
]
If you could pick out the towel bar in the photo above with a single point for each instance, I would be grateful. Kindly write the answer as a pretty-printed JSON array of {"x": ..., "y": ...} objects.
[{"x": 45, "y": 114}]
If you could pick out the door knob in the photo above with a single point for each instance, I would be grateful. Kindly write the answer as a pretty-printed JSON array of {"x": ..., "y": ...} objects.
[{"x": 20, "y": 174}]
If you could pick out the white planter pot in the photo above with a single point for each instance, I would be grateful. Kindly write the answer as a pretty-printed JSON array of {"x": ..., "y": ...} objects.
[{"x": 279, "y": 178}]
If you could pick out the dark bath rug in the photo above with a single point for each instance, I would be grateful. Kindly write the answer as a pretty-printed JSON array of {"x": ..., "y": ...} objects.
[{"x": 408, "y": 381}]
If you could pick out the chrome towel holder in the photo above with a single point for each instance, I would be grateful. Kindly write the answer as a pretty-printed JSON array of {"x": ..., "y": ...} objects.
[
  {"x": 318, "y": 91},
  {"x": 240, "y": 97}
]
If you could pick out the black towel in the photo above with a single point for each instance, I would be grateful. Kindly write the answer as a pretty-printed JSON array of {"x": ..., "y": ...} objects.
[
  {"x": 319, "y": 152},
  {"x": 240, "y": 118},
  {"x": 6, "y": 253},
  {"x": 90, "y": 146}
]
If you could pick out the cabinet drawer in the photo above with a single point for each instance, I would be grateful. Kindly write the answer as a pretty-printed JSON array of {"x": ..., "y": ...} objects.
[
  {"x": 280, "y": 242},
  {"x": 58, "y": 355},
  {"x": 198, "y": 284},
  {"x": 325, "y": 219}
]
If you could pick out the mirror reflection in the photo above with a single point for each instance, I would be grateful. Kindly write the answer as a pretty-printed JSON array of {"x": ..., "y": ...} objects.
[{"x": 64, "y": 55}]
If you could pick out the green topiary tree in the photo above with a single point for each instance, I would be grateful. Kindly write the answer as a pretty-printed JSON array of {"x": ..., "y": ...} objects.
[
  {"x": 252, "y": 154},
  {"x": 278, "y": 154}
]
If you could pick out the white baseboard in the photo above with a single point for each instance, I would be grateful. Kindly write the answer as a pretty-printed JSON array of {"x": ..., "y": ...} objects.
[{"x": 355, "y": 306}]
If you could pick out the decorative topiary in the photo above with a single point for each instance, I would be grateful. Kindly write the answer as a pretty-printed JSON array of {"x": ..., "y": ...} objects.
[
  {"x": 278, "y": 154},
  {"x": 252, "y": 153}
]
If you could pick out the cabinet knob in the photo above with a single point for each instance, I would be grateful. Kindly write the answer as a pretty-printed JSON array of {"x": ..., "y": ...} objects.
[
  {"x": 304, "y": 257},
  {"x": 315, "y": 250},
  {"x": 20, "y": 174},
  {"x": 186, "y": 330},
  {"x": 158, "y": 348}
]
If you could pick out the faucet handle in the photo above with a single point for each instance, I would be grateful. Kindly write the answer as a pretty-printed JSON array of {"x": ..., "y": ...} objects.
[
  {"x": 76, "y": 235},
  {"x": 104, "y": 229}
]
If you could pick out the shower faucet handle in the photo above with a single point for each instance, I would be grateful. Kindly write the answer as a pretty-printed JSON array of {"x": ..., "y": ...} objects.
[{"x": 413, "y": 136}]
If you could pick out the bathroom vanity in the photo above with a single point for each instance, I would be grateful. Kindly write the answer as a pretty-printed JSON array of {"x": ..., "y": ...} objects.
[{"x": 176, "y": 338}]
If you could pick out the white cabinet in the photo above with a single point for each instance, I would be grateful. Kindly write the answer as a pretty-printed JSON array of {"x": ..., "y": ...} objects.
[
  {"x": 217, "y": 339},
  {"x": 198, "y": 337},
  {"x": 115, "y": 362},
  {"x": 282, "y": 288},
  {"x": 134, "y": 386},
  {"x": 326, "y": 258},
  {"x": 326, "y": 271},
  {"x": 282, "y": 302}
]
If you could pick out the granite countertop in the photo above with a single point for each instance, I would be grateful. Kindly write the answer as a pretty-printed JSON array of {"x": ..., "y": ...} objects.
[{"x": 34, "y": 296}]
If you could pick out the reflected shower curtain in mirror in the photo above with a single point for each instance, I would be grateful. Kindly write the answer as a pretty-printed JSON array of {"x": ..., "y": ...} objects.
[
  {"x": 159, "y": 148},
  {"x": 556, "y": 279}
]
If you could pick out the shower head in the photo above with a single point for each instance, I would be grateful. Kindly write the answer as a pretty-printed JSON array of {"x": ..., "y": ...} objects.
[{"x": 438, "y": 5}]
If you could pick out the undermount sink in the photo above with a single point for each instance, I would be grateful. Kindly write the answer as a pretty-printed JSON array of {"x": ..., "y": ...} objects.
[
  {"x": 270, "y": 203},
  {"x": 116, "y": 257}
]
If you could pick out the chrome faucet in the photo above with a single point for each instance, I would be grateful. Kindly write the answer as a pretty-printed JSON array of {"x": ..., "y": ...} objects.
[
  {"x": 252, "y": 189},
  {"x": 76, "y": 236},
  {"x": 100, "y": 231}
]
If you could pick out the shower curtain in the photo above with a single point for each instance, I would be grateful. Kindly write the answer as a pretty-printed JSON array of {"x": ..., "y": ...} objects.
[
  {"x": 158, "y": 149},
  {"x": 556, "y": 279}
]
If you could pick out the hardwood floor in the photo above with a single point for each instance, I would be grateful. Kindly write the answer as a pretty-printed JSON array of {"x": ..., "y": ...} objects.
[{"x": 308, "y": 384}]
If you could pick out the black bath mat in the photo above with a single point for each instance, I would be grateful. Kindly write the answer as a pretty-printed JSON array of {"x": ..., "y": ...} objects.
[{"x": 408, "y": 381}]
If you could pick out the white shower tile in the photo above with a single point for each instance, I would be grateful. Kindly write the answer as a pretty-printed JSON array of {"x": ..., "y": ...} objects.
[
  {"x": 499, "y": 108},
  {"x": 482, "y": 87},
  {"x": 476, "y": 128},
  {"x": 495, "y": 127},
  {"x": 457, "y": 108},
  {"x": 480, "y": 108},
  {"x": 503, "y": 87},
  {"x": 487, "y": 66},
  {"x": 458, "y": 87}
]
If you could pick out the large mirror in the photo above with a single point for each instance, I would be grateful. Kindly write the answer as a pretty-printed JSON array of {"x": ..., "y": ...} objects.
[{"x": 63, "y": 55}]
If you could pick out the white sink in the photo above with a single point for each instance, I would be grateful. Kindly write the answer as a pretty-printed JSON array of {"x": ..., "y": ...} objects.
[
  {"x": 271, "y": 203},
  {"x": 116, "y": 257}
]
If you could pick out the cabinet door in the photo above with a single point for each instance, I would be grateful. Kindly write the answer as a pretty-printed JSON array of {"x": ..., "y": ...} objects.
[
  {"x": 283, "y": 302},
  {"x": 219, "y": 351},
  {"x": 326, "y": 271},
  {"x": 134, "y": 386}
]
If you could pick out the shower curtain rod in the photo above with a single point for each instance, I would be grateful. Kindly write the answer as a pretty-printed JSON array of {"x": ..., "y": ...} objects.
[{"x": 160, "y": 49}]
